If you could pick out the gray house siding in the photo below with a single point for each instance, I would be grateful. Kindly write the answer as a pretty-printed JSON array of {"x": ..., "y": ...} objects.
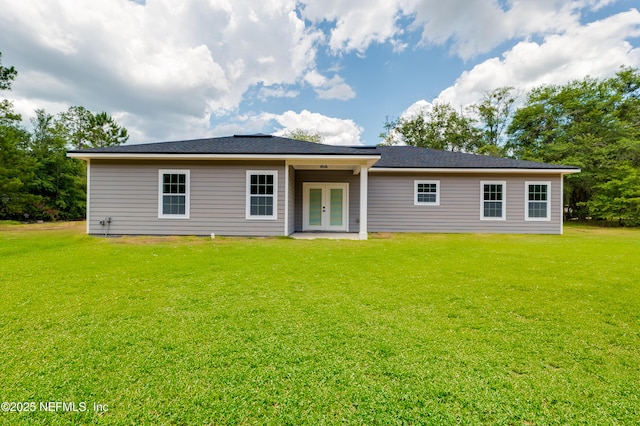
[
  {"x": 127, "y": 192},
  {"x": 291, "y": 226},
  {"x": 343, "y": 176},
  {"x": 392, "y": 209}
]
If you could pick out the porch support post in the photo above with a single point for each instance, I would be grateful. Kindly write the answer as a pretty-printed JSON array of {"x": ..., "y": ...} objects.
[
  {"x": 286, "y": 198},
  {"x": 364, "y": 183}
]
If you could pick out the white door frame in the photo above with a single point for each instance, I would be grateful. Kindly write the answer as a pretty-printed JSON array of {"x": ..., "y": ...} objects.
[{"x": 326, "y": 188}]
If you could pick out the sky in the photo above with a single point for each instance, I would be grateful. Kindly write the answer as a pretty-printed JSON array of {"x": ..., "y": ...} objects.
[{"x": 185, "y": 69}]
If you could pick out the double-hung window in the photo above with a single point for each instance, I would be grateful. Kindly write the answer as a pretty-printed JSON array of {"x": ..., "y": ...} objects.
[
  {"x": 426, "y": 193},
  {"x": 537, "y": 205},
  {"x": 262, "y": 190},
  {"x": 173, "y": 194},
  {"x": 493, "y": 197}
]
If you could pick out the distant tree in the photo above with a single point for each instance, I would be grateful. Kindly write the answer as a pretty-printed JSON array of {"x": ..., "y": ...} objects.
[
  {"x": 37, "y": 179},
  {"x": 304, "y": 135},
  {"x": 441, "y": 127},
  {"x": 494, "y": 113},
  {"x": 105, "y": 131},
  {"x": 15, "y": 166},
  {"x": 7, "y": 75},
  {"x": 58, "y": 181},
  {"x": 618, "y": 198},
  {"x": 593, "y": 124},
  {"x": 15, "y": 172},
  {"x": 74, "y": 126},
  {"x": 83, "y": 129}
]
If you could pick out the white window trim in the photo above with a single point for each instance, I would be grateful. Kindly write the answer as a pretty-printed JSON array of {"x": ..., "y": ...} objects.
[
  {"x": 504, "y": 199},
  {"x": 423, "y": 203},
  {"x": 248, "y": 215},
  {"x": 187, "y": 201},
  {"x": 526, "y": 201}
]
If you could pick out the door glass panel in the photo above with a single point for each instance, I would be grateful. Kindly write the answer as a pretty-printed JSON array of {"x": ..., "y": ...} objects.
[
  {"x": 315, "y": 207},
  {"x": 336, "y": 207}
]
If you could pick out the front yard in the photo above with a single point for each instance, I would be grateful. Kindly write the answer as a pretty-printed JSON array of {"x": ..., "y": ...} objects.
[{"x": 400, "y": 329}]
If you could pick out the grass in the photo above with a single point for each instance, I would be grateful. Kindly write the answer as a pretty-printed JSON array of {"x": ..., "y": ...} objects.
[{"x": 400, "y": 329}]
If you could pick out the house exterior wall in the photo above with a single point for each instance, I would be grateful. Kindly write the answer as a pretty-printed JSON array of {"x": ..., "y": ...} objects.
[
  {"x": 291, "y": 226},
  {"x": 128, "y": 191},
  {"x": 392, "y": 209},
  {"x": 345, "y": 176}
]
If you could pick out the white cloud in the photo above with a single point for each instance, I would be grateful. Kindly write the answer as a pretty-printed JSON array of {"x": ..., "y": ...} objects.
[
  {"x": 335, "y": 131},
  {"x": 167, "y": 61},
  {"x": 416, "y": 109},
  {"x": 334, "y": 88},
  {"x": 166, "y": 67},
  {"x": 276, "y": 92},
  {"x": 597, "y": 49},
  {"x": 469, "y": 27},
  {"x": 476, "y": 26},
  {"x": 356, "y": 24}
]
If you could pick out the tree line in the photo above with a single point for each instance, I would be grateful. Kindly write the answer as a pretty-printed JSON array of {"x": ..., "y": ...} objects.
[
  {"x": 590, "y": 123},
  {"x": 37, "y": 179}
]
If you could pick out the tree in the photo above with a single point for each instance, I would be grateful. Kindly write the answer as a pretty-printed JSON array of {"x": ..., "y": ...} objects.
[
  {"x": 440, "y": 127},
  {"x": 74, "y": 125},
  {"x": 7, "y": 75},
  {"x": 304, "y": 135},
  {"x": 105, "y": 131},
  {"x": 494, "y": 114},
  {"x": 15, "y": 166},
  {"x": 37, "y": 179},
  {"x": 593, "y": 124},
  {"x": 83, "y": 129},
  {"x": 619, "y": 197},
  {"x": 58, "y": 181}
]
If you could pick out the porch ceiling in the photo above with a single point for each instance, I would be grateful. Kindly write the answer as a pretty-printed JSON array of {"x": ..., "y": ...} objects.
[{"x": 332, "y": 164}]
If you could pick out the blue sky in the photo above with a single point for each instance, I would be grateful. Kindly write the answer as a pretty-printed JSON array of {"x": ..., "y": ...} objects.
[{"x": 179, "y": 69}]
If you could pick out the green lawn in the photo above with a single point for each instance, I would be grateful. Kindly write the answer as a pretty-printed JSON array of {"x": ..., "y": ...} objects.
[{"x": 400, "y": 329}]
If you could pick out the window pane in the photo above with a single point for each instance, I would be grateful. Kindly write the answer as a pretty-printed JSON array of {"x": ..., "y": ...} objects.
[
  {"x": 427, "y": 187},
  {"x": 538, "y": 192},
  {"x": 426, "y": 198},
  {"x": 538, "y": 209},
  {"x": 315, "y": 207},
  {"x": 492, "y": 209},
  {"x": 174, "y": 183},
  {"x": 336, "y": 207},
  {"x": 426, "y": 192},
  {"x": 492, "y": 192},
  {"x": 173, "y": 204},
  {"x": 261, "y": 206},
  {"x": 261, "y": 185}
]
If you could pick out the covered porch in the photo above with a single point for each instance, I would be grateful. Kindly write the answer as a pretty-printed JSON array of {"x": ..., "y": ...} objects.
[{"x": 327, "y": 198}]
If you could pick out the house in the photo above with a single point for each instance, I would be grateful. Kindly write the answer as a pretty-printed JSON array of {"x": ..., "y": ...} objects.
[{"x": 262, "y": 185}]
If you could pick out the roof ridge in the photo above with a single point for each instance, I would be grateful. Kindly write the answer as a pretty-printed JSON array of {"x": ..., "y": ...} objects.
[{"x": 253, "y": 135}]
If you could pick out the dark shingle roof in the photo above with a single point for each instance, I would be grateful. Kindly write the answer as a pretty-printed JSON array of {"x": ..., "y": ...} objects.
[
  {"x": 239, "y": 144},
  {"x": 415, "y": 157},
  {"x": 391, "y": 156}
]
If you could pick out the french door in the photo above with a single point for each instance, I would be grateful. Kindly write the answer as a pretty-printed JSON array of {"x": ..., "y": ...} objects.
[{"x": 325, "y": 206}]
